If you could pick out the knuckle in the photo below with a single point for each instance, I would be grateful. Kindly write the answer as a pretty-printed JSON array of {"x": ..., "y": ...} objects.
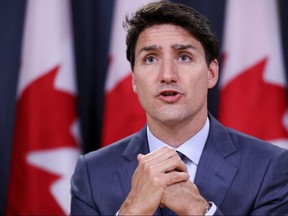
[
  {"x": 175, "y": 177},
  {"x": 145, "y": 165},
  {"x": 156, "y": 181}
]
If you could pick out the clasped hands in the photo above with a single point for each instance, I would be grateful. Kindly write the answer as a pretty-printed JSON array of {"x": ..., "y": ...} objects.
[{"x": 161, "y": 179}]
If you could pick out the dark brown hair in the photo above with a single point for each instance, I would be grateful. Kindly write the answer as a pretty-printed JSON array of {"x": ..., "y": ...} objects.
[{"x": 166, "y": 12}]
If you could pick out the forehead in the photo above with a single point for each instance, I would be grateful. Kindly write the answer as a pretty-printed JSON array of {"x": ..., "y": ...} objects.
[
  {"x": 166, "y": 34},
  {"x": 166, "y": 28}
]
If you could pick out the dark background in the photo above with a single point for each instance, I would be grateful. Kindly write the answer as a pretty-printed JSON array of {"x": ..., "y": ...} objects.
[{"x": 91, "y": 21}]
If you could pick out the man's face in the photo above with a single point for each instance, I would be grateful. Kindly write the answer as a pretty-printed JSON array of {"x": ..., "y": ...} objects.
[{"x": 171, "y": 76}]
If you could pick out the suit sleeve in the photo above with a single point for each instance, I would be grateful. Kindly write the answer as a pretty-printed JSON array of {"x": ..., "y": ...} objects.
[
  {"x": 272, "y": 198},
  {"x": 81, "y": 197}
]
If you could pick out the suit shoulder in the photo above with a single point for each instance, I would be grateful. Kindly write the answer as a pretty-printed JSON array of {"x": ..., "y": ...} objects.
[
  {"x": 111, "y": 151},
  {"x": 246, "y": 142},
  {"x": 124, "y": 149},
  {"x": 232, "y": 140}
]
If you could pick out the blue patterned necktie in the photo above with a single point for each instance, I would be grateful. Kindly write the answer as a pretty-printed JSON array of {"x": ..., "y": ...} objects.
[{"x": 166, "y": 211}]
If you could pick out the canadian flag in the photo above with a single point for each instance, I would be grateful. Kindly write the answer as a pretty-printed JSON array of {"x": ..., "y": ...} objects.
[
  {"x": 252, "y": 97},
  {"x": 45, "y": 147},
  {"x": 123, "y": 114}
]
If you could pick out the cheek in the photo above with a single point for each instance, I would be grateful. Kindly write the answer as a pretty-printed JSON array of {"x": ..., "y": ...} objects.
[
  {"x": 145, "y": 96},
  {"x": 197, "y": 87},
  {"x": 140, "y": 85}
]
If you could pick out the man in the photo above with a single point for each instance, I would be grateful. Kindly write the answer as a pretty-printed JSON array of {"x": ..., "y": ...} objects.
[{"x": 173, "y": 54}]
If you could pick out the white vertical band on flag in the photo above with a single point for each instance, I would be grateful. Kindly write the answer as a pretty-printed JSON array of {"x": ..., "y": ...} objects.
[
  {"x": 252, "y": 33},
  {"x": 42, "y": 36}
]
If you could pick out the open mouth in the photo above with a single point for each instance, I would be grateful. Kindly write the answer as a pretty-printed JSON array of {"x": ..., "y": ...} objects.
[
  {"x": 170, "y": 96},
  {"x": 169, "y": 93}
]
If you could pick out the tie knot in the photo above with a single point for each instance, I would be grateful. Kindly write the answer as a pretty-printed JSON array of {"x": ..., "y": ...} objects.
[{"x": 182, "y": 156}]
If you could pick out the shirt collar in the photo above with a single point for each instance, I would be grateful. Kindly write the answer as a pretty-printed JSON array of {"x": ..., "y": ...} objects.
[{"x": 192, "y": 148}]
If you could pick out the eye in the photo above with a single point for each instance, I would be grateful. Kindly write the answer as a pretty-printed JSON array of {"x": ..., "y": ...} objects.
[
  {"x": 150, "y": 60},
  {"x": 184, "y": 58}
]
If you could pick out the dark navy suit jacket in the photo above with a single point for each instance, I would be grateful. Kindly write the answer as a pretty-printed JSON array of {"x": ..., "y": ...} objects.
[{"x": 240, "y": 174}]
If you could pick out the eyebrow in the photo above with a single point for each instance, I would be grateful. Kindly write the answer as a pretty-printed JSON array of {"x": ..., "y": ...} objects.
[
  {"x": 183, "y": 46},
  {"x": 148, "y": 48},
  {"x": 174, "y": 46}
]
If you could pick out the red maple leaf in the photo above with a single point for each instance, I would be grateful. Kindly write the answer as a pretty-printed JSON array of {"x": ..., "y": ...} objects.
[
  {"x": 43, "y": 121},
  {"x": 251, "y": 105}
]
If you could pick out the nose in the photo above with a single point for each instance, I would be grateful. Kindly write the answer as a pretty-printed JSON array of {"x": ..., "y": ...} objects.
[{"x": 168, "y": 71}]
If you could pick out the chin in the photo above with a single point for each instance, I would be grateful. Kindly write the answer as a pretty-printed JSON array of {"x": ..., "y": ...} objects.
[{"x": 172, "y": 118}]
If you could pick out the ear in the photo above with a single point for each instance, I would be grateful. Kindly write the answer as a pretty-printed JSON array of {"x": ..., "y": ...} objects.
[
  {"x": 213, "y": 73},
  {"x": 134, "y": 87}
]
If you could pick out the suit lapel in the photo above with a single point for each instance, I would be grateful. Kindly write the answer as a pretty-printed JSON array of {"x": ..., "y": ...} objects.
[
  {"x": 138, "y": 144},
  {"x": 215, "y": 172}
]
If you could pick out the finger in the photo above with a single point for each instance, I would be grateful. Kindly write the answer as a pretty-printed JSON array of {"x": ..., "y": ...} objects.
[
  {"x": 172, "y": 163},
  {"x": 174, "y": 177},
  {"x": 163, "y": 155},
  {"x": 139, "y": 157},
  {"x": 164, "y": 152},
  {"x": 150, "y": 168}
]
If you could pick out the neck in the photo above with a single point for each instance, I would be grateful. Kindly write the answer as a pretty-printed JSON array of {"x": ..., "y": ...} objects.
[{"x": 178, "y": 133}]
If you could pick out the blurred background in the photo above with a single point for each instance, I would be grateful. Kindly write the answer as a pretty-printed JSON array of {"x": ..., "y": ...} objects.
[{"x": 81, "y": 45}]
